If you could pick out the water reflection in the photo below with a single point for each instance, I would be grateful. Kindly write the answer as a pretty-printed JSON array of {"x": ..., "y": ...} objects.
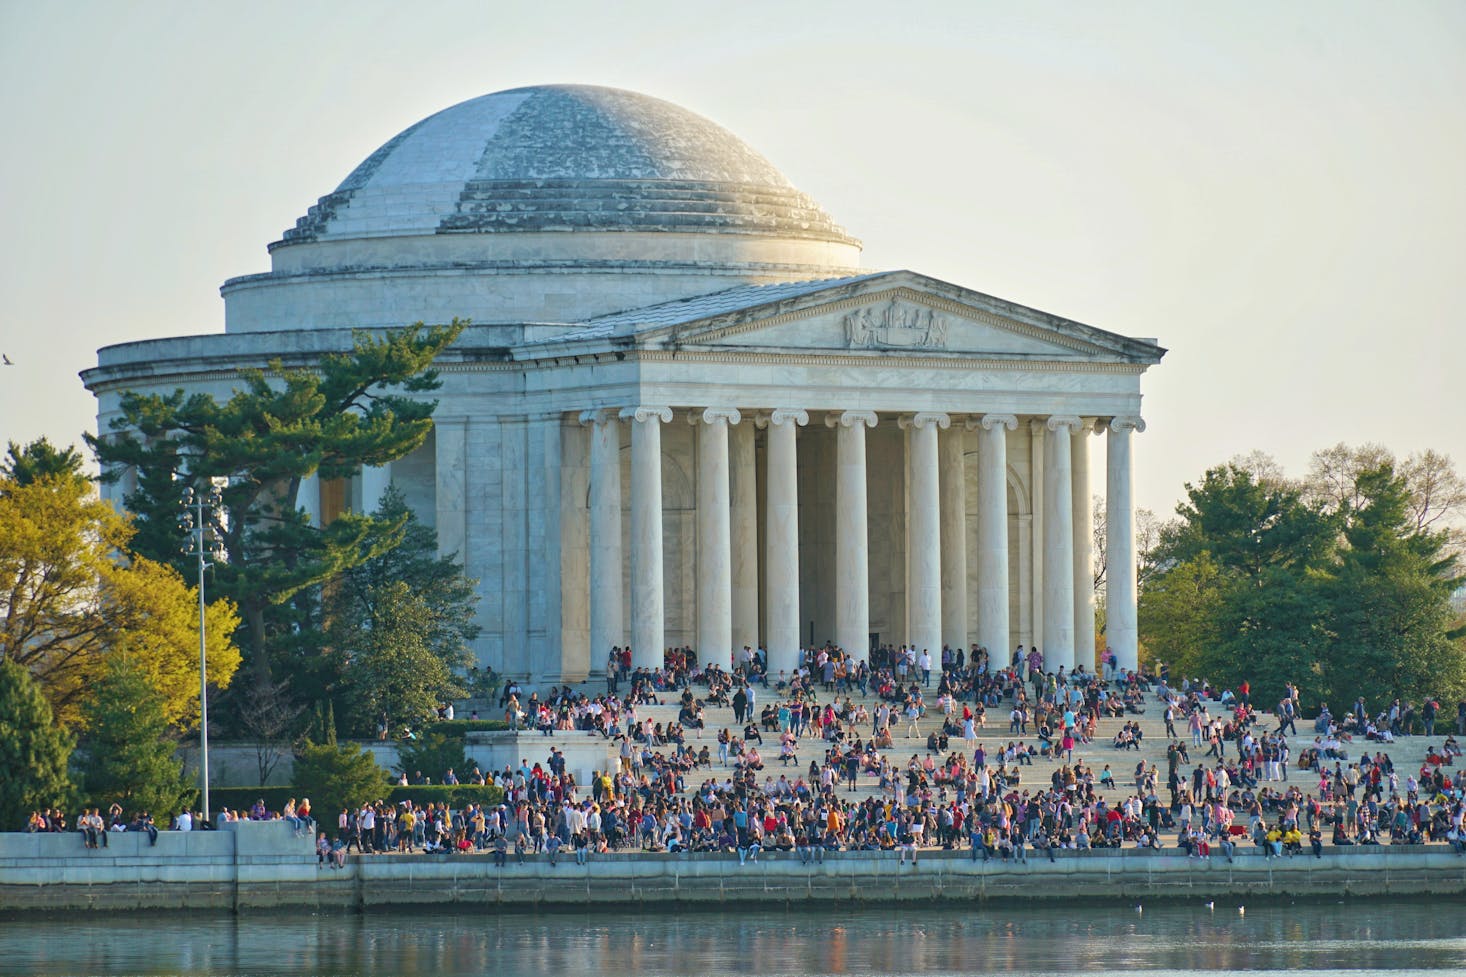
[{"x": 1355, "y": 937}]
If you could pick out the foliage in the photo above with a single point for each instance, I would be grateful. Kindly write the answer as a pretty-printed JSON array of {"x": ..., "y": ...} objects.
[
  {"x": 335, "y": 775},
  {"x": 34, "y": 750},
  {"x": 1178, "y": 612},
  {"x": 1388, "y": 596},
  {"x": 129, "y": 748},
  {"x": 1337, "y": 584},
  {"x": 454, "y": 796},
  {"x": 69, "y": 597},
  {"x": 388, "y": 666},
  {"x": 38, "y": 460},
  {"x": 433, "y": 755},
  {"x": 281, "y": 426},
  {"x": 407, "y": 613}
]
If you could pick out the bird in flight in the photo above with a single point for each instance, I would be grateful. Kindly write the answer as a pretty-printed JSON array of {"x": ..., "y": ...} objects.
[{"x": 7, "y": 359}]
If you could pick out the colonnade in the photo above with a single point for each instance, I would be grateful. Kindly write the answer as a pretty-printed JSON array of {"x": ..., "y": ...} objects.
[{"x": 937, "y": 571}]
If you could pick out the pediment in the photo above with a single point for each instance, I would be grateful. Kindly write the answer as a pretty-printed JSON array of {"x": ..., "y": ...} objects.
[
  {"x": 885, "y": 314},
  {"x": 895, "y": 321}
]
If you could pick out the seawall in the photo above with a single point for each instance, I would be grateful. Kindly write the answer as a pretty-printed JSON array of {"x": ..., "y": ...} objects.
[{"x": 250, "y": 867}]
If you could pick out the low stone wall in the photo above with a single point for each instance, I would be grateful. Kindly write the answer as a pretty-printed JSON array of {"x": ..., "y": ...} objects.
[{"x": 263, "y": 866}]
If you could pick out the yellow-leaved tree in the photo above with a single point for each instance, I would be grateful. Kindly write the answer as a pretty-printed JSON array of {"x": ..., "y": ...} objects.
[{"x": 71, "y": 594}]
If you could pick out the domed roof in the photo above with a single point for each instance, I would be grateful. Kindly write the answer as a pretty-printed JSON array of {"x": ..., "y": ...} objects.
[{"x": 564, "y": 158}]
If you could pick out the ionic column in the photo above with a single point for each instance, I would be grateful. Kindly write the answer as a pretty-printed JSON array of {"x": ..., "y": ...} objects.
[
  {"x": 375, "y": 480},
  {"x": 1121, "y": 633},
  {"x": 781, "y": 533},
  {"x": 648, "y": 620},
  {"x": 852, "y": 540},
  {"x": 744, "y": 527},
  {"x": 607, "y": 601},
  {"x": 924, "y": 534},
  {"x": 1083, "y": 546},
  {"x": 1058, "y": 569},
  {"x": 1036, "y": 432},
  {"x": 992, "y": 534},
  {"x": 714, "y": 556},
  {"x": 952, "y": 454}
]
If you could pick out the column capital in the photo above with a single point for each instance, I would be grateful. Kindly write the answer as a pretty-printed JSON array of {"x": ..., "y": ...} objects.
[
  {"x": 599, "y": 415},
  {"x": 1037, "y": 426},
  {"x": 709, "y": 415},
  {"x": 1069, "y": 421},
  {"x": 989, "y": 421},
  {"x": 1126, "y": 423},
  {"x": 663, "y": 414},
  {"x": 923, "y": 419},
  {"x": 850, "y": 418},
  {"x": 782, "y": 415}
]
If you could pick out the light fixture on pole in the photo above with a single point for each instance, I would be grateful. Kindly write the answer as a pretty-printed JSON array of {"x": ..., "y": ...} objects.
[{"x": 204, "y": 539}]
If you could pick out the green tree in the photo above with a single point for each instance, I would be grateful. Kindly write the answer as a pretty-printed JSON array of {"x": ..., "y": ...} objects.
[
  {"x": 34, "y": 750},
  {"x": 1178, "y": 614},
  {"x": 129, "y": 747},
  {"x": 334, "y": 776},
  {"x": 433, "y": 755},
  {"x": 1388, "y": 594},
  {"x": 71, "y": 594},
  {"x": 284, "y": 424},
  {"x": 387, "y": 662},
  {"x": 41, "y": 459},
  {"x": 1244, "y": 549},
  {"x": 449, "y": 597}
]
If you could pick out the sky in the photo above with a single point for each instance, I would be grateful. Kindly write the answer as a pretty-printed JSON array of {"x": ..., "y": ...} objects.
[{"x": 1272, "y": 191}]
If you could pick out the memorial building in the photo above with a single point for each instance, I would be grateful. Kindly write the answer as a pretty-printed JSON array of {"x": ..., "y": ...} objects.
[{"x": 684, "y": 414}]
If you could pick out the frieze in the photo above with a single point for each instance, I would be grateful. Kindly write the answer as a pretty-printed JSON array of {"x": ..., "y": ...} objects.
[{"x": 895, "y": 326}]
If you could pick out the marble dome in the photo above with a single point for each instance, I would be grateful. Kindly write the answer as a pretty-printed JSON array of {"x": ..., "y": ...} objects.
[{"x": 564, "y": 157}]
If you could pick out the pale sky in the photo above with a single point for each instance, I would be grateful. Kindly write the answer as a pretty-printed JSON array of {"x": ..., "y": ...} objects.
[{"x": 1273, "y": 191}]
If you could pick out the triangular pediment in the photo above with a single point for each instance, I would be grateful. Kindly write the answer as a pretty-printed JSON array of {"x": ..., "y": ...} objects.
[
  {"x": 898, "y": 320},
  {"x": 883, "y": 314}
]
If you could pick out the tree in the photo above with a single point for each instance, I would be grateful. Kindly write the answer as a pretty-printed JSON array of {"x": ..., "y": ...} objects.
[
  {"x": 336, "y": 776},
  {"x": 1242, "y": 551},
  {"x": 433, "y": 755},
  {"x": 70, "y": 595},
  {"x": 1178, "y": 614},
  {"x": 1337, "y": 584},
  {"x": 34, "y": 750},
  {"x": 1389, "y": 599},
  {"x": 40, "y": 459},
  {"x": 352, "y": 409},
  {"x": 129, "y": 746},
  {"x": 446, "y": 616},
  {"x": 386, "y": 660},
  {"x": 269, "y": 716},
  {"x": 1435, "y": 491}
]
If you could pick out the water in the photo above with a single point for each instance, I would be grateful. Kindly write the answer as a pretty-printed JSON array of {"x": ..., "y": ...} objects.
[{"x": 1354, "y": 938}]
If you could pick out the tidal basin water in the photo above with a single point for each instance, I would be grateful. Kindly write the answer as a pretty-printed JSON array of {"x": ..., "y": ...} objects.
[{"x": 1358, "y": 937}]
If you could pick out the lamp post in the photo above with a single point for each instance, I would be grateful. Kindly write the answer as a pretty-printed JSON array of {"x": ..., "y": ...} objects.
[{"x": 203, "y": 539}]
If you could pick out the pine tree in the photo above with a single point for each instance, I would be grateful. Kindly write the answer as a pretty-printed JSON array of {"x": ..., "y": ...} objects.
[
  {"x": 283, "y": 425},
  {"x": 1389, "y": 599},
  {"x": 34, "y": 750},
  {"x": 129, "y": 747}
]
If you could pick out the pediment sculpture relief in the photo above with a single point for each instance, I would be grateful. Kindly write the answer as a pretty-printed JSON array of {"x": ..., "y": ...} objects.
[{"x": 895, "y": 326}]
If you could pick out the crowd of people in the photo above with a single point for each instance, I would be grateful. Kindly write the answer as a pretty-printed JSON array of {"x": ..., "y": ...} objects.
[
  {"x": 812, "y": 770},
  {"x": 903, "y": 755}
]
